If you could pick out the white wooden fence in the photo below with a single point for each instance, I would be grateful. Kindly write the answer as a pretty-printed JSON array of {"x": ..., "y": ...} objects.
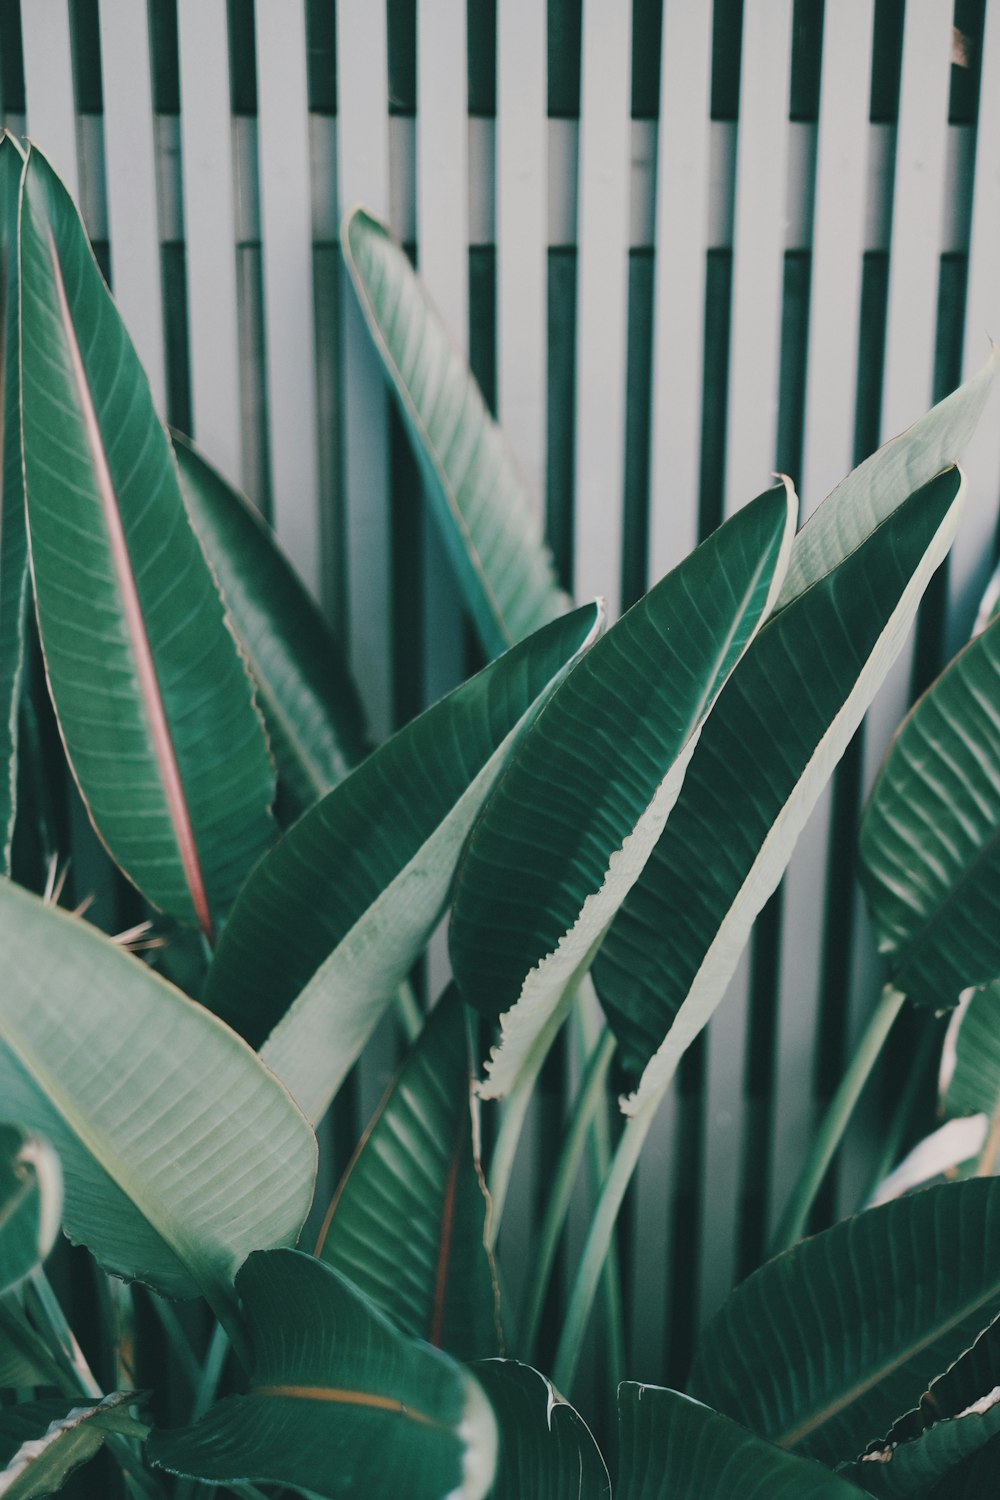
[{"x": 674, "y": 274}]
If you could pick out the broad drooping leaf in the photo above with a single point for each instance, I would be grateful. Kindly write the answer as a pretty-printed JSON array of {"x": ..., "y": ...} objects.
[
  {"x": 408, "y": 1223},
  {"x": 970, "y": 1059},
  {"x": 311, "y": 707},
  {"x": 154, "y": 703},
  {"x": 930, "y": 836},
  {"x": 339, "y": 1403},
  {"x": 335, "y": 916},
  {"x": 766, "y": 753},
  {"x": 180, "y": 1152},
  {"x": 13, "y": 539},
  {"x": 822, "y": 1349},
  {"x": 546, "y": 1448},
  {"x": 673, "y": 1448},
  {"x": 30, "y": 1203},
  {"x": 588, "y": 792},
  {"x": 471, "y": 479},
  {"x": 975, "y": 1479},
  {"x": 41, "y": 1443}
]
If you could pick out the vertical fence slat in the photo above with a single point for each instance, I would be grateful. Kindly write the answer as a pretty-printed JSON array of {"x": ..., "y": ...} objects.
[
  {"x": 602, "y": 299},
  {"x": 131, "y": 177},
  {"x": 48, "y": 86},
  {"x": 758, "y": 280},
  {"x": 209, "y": 231},
  {"x": 972, "y": 554},
  {"x": 443, "y": 258},
  {"x": 679, "y": 309},
  {"x": 522, "y": 211},
  {"x": 363, "y": 172},
  {"x": 286, "y": 232},
  {"x": 828, "y": 450}
]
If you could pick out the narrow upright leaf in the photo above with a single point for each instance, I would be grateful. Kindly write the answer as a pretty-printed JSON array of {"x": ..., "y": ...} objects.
[
  {"x": 311, "y": 707},
  {"x": 588, "y": 792},
  {"x": 30, "y": 1203},
  {"x": 180, "y": 1152},
  {"x": 930, "y": 836},
  {"x": 547, "y": 1451},
  {"x": 340, "y": 1404},
  {"x": 767, "y": 751},
  {"x": 13, "y": 540},
  {"x": 153, "y": 700},
  {"x": 822, "y": 1349},
  {"x": 408, "y": 1223},
  {"x": 335, "y": 916},
  {"x": 475, "y": 492},
  {"x": 673, "y": 1448},
  {"x": 42, "y": 1443}
]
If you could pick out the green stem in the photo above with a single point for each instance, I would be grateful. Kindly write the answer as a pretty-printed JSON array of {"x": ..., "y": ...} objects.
[
  {"x": 180, "y": 1344},
  {"x": 205, "y": 1391},
  {"x": 408, "y": 1012},
  {"x": 590, "y": 1023},
  {"x": 26, "y": 1340},
  {"x": 793, "y": 1221},
  {"x": 595, "y": 1251},
  {"x": 560, "y": 1189},
  {"x": 902, "y": 1114}
]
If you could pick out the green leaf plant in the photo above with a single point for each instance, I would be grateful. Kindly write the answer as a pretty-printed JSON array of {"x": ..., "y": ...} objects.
[{"x": 600, "y": 813}]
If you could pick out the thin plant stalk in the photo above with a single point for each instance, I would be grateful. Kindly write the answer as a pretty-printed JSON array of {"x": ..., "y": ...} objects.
[
  {"x": 836, "y": 1120},
  {"x": 903, "y": 1113},
  {"x": 589, "y": 1023}
]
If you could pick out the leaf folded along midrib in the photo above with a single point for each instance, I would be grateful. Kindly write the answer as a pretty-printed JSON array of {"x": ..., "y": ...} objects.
[
  {"x": 876, "y": 1375},
  {"x": 165, "y": 756}
]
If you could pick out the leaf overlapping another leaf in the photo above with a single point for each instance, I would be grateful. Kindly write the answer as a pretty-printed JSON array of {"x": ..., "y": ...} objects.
[
  {"x": 30, "y": 1203},
  {"x": 547, "y": 1451}
]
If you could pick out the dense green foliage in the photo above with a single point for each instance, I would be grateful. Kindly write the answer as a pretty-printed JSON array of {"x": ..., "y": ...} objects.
[{"x": 603, "y": 810}]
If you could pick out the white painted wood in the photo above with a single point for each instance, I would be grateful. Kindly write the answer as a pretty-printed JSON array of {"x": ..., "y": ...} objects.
[
  {"x": 48, "y": 86},
  {"x": 210, "y": 233},
  {"x": 443, "y": 260},
  {"x": 602, "y": 299},
  {"x": 758, "y": 249},
  {"x": 971, "y": 557},
  {"x": 363, "y": 169},
  {"x": 286, "y": 226},
  {"x": 130, "y": 155},
  {"x": 828, "y": 451},
  {"x": 914, "y": 270},
  {"x": 522, "y": 212},
  {"x": 682, "y": 195}
]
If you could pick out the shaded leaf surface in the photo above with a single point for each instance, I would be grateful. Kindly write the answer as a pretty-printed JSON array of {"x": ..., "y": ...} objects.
[
  {"x": 930, "y": 836},
  {"x": 30, "y": 1203},
  {"x": 408, "y": 1224},
  {"x": 337, "y": 913},
  {"x": 586, "y": 796},
  {"x": 340, "y": 1403},
  {"x": 475, "y": 492},
  {"x": 180, "y": 1152},
  {"x": 764, "y": 756},
  {"x": 42, "y": 1443},
  {"x": 311, "y": 707},
  {"x": 673, "y": 1448},
  {"x": 153, "y": 701},
  {"x": 972, "y": 1055},
  {"x": 546, "y": 1449},
  {"x": 825, "y": 1346},
  {"x": 13, "y": 538}
]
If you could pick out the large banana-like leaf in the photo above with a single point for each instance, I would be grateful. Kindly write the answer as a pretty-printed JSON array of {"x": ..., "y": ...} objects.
[
  {"x": 673, "y": 1448},
  {"x": 41, "y": 1443},
  {"x": 587, "y": 794},
  {"x": 340, "y": 1403},
  {"x": 337, "y": 913},
  {"x": 154, "y": 703},
  {"x": 408, "y": 1223},
  {"x": 766, "y": 752},
  {"x": 30, "y": 1203},
  {"x": 13, "y": 539},
  {"x": 930, "y": 836},
  {"x": 975, "y": 1479},
  {"x": 180, "y": 1152},
  {"x": 874, "y": 490},
  {"x": 824, "y": 1347},
  {"x": 970, "y": 1059},
  {"x": 311, "y": 707},
  {"x": 473, "y": 487},
  {"x": 546, "y": 1449}
]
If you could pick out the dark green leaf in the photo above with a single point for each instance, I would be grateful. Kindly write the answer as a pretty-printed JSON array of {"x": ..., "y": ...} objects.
[
  {"x": 340, "y": 1403},
  {"x": 41, "y": 1443},
  {"x": 30, "y": 1203},
  {"x": 154, "y": 704},
  {"x": 546, "y": 1449},
  {"x": 970, "y": 1060},
  {"x": 408, "y": 1224}
]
